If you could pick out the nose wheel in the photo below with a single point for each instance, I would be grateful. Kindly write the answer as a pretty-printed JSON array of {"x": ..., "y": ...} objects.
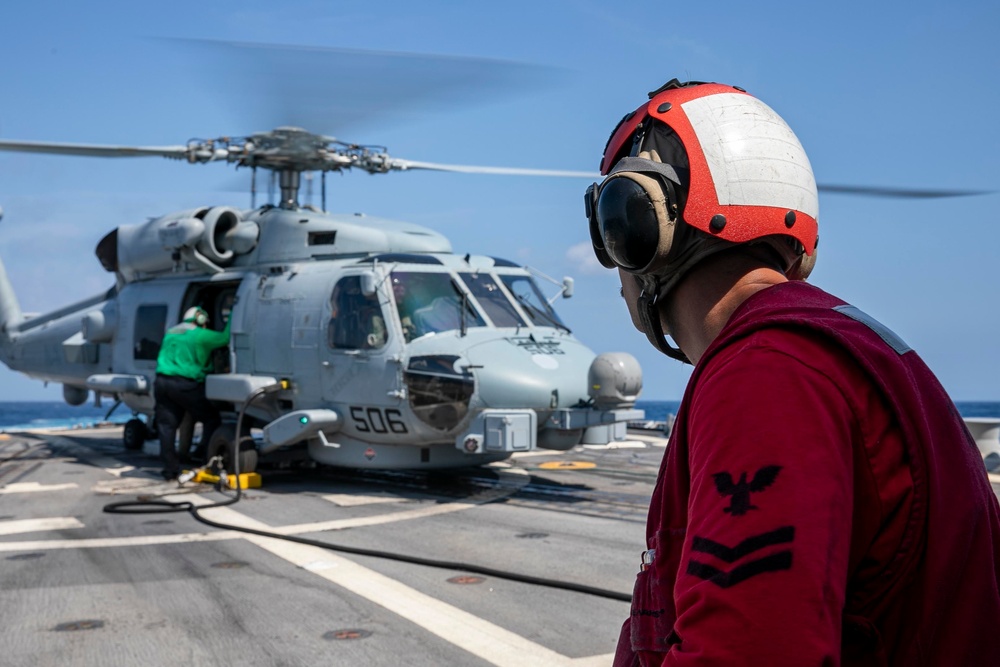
[{"x": 223, "y": 443}]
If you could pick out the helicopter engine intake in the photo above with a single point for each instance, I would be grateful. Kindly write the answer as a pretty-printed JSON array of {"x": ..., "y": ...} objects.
[{"x": 226, "y": 235}]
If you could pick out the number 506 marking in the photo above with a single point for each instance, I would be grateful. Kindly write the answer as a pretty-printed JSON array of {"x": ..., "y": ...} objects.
[{"x": 377, "y": 420}]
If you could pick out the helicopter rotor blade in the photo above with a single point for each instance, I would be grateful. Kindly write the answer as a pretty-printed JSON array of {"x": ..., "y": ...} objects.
[
  {"x": 202, "y": 153},
  {"x": 94, "y": 150},
  {"x": 406, "y": 165},
  {"x": 869, "y": 191},
  {"x": 898, "y": 193},
  {"x": 328, "y": 89}
]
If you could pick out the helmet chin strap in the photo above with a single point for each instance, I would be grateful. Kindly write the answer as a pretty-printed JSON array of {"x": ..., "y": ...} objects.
[{"x": 649, "y": 317}]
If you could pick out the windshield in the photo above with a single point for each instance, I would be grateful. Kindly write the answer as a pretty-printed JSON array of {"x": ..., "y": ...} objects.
[
  {"x": 527, "y": 294},
  {"x": 431, "y": 303},
  {"x": 493, "y": 299}
]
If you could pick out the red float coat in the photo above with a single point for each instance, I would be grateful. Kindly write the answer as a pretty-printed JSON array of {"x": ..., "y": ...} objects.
[{"x": 820, "y": 503}]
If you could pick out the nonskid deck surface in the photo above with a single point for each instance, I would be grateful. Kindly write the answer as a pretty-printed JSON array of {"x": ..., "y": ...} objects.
[{"x": 84, "y": 587}]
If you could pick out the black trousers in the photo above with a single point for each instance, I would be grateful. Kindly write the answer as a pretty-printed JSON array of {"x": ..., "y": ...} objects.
[{"x": 175, "y": 396}]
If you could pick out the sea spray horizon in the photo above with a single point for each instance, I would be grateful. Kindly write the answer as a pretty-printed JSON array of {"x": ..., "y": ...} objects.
[{"x": 25, "y": 415}]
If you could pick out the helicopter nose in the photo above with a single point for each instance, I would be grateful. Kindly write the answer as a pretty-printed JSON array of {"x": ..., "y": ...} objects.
[{"x": 524, "y": 373}]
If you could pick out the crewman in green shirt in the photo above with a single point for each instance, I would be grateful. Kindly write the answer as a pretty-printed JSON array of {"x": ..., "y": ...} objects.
[{"x": 180, "y": 382}]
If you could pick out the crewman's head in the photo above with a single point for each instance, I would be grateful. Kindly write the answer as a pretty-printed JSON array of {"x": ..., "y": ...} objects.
[
  {"x": 699, "y": 168},
  {"x": 196, "y": 315}
]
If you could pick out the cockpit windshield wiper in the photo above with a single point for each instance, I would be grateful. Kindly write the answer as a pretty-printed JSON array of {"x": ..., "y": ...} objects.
[{"x": 532, "y": 308}]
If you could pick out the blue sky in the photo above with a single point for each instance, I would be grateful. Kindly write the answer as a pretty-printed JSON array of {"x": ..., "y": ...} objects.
[{"x": 893, "y": 94}]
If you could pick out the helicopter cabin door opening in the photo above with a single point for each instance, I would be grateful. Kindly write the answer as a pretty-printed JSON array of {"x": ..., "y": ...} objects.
[{"x": 217, "y": 299}]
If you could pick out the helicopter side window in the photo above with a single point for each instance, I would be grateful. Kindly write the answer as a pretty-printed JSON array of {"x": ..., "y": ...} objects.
[
  {"x": 527, "y": 294},
  {"x": 431, "y": 303},
  {"x": 356, "y": 321},
  {"x": 493, "y": 299},
  {"x": 150, "y": 325}
]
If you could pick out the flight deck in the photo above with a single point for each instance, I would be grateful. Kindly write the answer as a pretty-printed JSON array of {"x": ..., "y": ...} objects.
[{"x": 82, "y": 586}]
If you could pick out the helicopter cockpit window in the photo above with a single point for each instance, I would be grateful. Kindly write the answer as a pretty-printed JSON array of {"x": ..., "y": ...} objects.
[
  {"x": 150, "y": 325},
  {"x": 527, "y": 294},
  {"x": 493, "y": 299},
  {"x": 431, "y": 303},
  {"x": 356, "y": 321}
]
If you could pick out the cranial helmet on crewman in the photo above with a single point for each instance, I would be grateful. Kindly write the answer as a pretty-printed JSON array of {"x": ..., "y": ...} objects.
[
  {"x": 196, "y": 315},
  {"x": 700, "y": 168}
]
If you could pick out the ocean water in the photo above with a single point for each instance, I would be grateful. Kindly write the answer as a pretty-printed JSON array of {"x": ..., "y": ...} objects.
[
  {"x": 660, "y": 410},
  {"x": 22, "y": 415},
  {"x": 18, "y": 416}
]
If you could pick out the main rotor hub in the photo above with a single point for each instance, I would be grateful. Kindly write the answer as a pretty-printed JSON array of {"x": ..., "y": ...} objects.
[{"x": 290, "y": 149}]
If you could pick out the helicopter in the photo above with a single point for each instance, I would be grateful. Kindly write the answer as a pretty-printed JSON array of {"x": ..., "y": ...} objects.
[{"x": 355, "y": 341}]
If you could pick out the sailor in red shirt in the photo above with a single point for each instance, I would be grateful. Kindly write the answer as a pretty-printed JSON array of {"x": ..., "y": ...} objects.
[{"x": 821, "y": 502}]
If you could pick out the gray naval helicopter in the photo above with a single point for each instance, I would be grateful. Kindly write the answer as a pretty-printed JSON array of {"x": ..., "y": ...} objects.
[{"x": 355, "y": 341}]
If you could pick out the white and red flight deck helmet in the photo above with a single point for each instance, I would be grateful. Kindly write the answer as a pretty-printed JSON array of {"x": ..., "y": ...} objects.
[{"x": 697, "y": 169}]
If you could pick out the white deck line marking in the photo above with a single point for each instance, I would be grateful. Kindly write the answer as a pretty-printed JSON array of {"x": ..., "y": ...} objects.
[
  {"x": 481, "y": 638},
  {"x": 347, "y": 500},
  {"x": 541, "y": 452},
  {"x": 594, "y": 661},
  {"x": 619, "y": 444},
  {"x": 34, "y": 487},
  {"x": 340, "y": 524},
  {"x": 149, "y": 540},
  {"x": 104, "y": 542},
  {"x": 38, "y": 525}
]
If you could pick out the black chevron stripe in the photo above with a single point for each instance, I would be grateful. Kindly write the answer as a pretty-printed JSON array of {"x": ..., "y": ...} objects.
[
  {"x": 773, "y": 563},
  {"x": 744, "y": 548}
]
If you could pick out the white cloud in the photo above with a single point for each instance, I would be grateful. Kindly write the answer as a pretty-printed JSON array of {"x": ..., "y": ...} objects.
[{"x": 581, "y": 256}]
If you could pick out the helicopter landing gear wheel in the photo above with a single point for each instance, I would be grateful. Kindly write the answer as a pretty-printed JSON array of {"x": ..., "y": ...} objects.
[
  {"x": 223, "y": 444},
  {"x": 135, "y": 434}
]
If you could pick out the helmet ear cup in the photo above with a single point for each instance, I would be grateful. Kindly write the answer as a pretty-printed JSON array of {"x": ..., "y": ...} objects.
[
  {"x": 634, "y": 223},
  {"x": 196, "y": 314},
  {"x": 801, "y": 269}
]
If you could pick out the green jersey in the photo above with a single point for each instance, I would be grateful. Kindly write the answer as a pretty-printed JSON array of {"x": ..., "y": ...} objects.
[{"x": 187, "y": 349}]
